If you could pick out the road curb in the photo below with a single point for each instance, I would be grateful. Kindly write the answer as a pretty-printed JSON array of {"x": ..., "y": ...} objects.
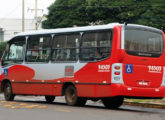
[{"x": 147, "y": 105}]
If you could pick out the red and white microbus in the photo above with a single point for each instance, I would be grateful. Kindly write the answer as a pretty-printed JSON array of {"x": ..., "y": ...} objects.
[{"x": 107, "y": 62}]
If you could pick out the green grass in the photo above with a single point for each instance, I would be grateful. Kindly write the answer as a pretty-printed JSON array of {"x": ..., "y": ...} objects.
[{"x": 146, "y": 100}]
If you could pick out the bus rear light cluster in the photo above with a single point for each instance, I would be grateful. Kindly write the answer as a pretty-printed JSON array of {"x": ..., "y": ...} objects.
[{"x": 117, "y": 76}]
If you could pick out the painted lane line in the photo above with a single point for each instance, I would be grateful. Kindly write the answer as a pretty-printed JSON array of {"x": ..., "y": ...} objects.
[
  {"x": 42, "y": 107},
  {"x": 62, "y": 110}
]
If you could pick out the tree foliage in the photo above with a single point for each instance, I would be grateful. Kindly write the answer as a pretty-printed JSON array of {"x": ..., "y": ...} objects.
[
  {"x": 2, "y": 48},
  {"x": 67, "y": 13}
]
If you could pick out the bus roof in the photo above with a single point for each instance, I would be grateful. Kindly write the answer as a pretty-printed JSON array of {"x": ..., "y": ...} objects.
[{"x": 79, "y": 29}]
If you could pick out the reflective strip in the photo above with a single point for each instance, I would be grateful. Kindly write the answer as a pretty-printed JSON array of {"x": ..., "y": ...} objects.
[
  {"x": 163, "y": 81},
  {"x": 117, "y": 78}
]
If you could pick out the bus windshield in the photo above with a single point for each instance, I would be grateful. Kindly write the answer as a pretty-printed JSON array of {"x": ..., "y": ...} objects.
[
  {"x": 14, "y": 52},
  {"x": 145, "y": 43}
]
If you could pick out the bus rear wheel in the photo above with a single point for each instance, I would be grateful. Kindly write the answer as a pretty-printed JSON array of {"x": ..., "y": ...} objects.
[
  {"x": 113, "y": 102},
  {"x": 8, "y": 92},
  {"x": 49, "y": 99},
  {"x": 71, "y": 97}
]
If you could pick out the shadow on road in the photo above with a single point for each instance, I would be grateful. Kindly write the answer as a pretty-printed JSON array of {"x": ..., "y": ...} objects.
[{"x": 123, "y": 108}]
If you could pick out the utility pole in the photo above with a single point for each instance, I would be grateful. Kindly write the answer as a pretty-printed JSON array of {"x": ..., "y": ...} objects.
[
  {"x": 36, "y": 15},
  {"x": 23, "y": 15},
  {"x": 36, "y": 18}
]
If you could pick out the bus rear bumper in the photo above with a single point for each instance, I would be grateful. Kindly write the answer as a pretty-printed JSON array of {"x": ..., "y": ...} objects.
[{"x": 123, "y": 90}]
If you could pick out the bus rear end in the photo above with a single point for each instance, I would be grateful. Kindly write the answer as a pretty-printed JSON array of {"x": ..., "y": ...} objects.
[{"x": 141, "y": 72}]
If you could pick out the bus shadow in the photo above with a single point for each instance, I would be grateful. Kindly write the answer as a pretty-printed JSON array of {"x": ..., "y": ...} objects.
[{"x": 122, "y": 108}]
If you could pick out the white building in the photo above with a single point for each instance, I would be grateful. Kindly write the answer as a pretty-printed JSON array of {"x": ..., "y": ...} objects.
[{"x": 10, "y": 27}]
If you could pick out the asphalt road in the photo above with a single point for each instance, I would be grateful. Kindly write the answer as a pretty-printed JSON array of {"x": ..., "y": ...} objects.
[{"x": 60, "y": 111}]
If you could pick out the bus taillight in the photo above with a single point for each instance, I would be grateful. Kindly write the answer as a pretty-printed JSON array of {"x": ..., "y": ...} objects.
[
  {"x": 117, "y": 73},
  {"x": 117, "y": 76},
  {"x": 117, "y": 67}
]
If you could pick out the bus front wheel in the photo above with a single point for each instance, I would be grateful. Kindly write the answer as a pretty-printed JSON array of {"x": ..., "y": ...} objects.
[
  {"x": 113, "y": 102},
  {"x": 8, "y": 92},
  {"x": 71, "y": 97},
  {"x": 49, "y": 99}
]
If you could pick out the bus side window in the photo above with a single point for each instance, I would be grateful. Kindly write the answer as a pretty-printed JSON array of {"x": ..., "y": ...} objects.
[
  {"x": 14, "y": 52},
  {"x": 96, "y": 45},
  {"x": 65, "y": 47},
  {"x": 38, "y": 49}
]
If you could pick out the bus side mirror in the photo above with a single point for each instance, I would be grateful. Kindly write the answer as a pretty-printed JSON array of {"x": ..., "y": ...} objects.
[{"x": 163, "y": 29}]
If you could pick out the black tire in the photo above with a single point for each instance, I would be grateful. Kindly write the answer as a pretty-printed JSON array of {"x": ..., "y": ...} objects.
[
  {"x": 8, "y": 92},
  {"x": 49, "y": 99},
  {"x": 71, "y": 97},
  {"x": 113, "y": 102},
  {"x": 81, "y": 101}
]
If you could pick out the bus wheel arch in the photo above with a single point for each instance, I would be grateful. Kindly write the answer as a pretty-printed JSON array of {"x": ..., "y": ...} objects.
[
  {"x": 3, "y": 84},
  {"x": 71, "y": 97},
  {"x": 7, "y": 89},
  {"x": 65, "y": 85}
]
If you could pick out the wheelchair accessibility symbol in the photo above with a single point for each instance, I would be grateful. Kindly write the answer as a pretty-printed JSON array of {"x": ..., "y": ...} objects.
[
  {"x": 5, "y": 72},
  {"x": 129, "y": 68}
]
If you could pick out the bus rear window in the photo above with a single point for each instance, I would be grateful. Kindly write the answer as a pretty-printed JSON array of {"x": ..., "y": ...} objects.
[{"x": 143, "y": 43}]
